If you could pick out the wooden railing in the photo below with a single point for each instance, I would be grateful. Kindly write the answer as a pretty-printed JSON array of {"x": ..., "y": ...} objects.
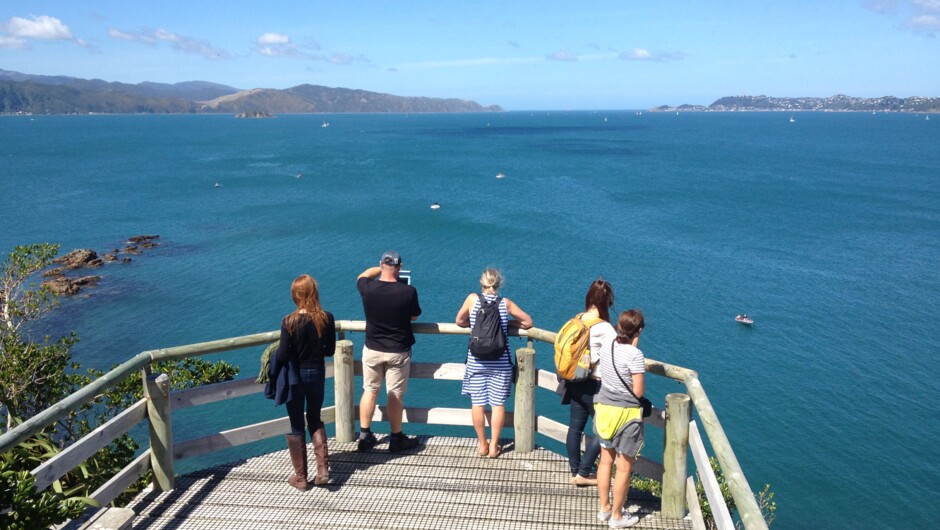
[{"x": 681, "y": 433}]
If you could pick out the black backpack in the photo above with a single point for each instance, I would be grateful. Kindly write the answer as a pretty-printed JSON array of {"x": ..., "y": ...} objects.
[{"x": 487, "y": 340}]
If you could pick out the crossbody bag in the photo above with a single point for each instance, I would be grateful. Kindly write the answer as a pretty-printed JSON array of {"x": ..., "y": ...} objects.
[{"x": 645, "y": 404}]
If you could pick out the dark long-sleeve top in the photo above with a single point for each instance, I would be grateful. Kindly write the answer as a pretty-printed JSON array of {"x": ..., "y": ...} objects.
[
  {"x": 305, "y": 346},
  {"x": 302, "y": 349}
]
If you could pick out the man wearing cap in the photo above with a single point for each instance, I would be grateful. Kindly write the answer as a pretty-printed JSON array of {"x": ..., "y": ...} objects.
[{"x": 390, "y": 306}]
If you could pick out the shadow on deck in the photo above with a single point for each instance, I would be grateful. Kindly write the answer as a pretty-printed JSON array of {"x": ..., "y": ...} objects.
[{"x": 442, "y": 484}]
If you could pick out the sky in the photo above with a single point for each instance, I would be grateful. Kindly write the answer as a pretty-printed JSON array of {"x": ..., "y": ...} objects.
[{"x": 521, "y": 55}]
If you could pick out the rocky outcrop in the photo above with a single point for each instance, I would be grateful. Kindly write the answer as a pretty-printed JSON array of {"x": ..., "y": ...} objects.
[
  {"x": 61, "y": 284},
  {"x": 64, "y": 286},
  {"x": 141, "y": 239},
  {"x": 77, "y": 258}
]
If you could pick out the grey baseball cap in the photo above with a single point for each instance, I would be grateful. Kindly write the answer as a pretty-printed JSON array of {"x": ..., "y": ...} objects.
[{"x": 391, "y": 257}]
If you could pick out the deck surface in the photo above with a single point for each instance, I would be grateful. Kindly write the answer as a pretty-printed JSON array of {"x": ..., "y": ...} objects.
[{"x": 442, "y": 484}]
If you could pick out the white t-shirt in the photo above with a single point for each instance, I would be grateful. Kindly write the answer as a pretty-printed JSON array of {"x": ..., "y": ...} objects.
[{"x": 602, "y": 334}]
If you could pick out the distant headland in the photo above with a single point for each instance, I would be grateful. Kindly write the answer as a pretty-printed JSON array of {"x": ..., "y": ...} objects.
[
  {"x": 838, "y": 103},
  {"x": 40, "y": 94}
]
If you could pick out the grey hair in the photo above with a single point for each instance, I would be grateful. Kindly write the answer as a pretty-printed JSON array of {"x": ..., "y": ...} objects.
[{"x": 490, "y": 280}]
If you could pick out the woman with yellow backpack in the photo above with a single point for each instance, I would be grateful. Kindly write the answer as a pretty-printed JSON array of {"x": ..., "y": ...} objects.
[{"x": 587, "y": 331}]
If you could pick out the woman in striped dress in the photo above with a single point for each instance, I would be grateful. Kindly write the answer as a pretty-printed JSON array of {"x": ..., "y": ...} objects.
[{"x": 490, "y": 382}]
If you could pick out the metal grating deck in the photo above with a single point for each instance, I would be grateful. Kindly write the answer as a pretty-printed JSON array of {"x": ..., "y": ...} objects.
[{"x": 441, "y": 485}]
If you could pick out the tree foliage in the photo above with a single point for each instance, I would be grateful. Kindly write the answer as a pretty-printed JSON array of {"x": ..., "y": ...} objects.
[
  {"x": 765, "y": 499},
  {"x": 35, "y": 375}
]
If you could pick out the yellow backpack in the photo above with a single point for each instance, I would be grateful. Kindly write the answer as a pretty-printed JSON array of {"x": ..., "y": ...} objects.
[{"x": 573, "y": 349}]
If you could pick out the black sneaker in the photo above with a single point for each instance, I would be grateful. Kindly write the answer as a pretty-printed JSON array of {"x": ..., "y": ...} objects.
[
  {"x": 401, "y": 443},
  {"x": 364, "y": 444}
]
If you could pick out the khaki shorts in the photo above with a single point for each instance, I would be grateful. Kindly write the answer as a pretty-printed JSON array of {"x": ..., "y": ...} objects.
[{"x": 393, "y": 367}]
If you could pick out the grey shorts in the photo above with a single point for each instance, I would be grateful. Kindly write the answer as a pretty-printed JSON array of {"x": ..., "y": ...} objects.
[{"x": 628, "y": 441}]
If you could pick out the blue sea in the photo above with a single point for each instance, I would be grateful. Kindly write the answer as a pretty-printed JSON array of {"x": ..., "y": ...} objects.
[{"x": 826, "y": 231}]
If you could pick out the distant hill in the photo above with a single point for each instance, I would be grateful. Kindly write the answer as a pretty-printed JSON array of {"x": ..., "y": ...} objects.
[
  {"x": 314, "y": 98},
  {"x": 37, "y": 94},
  {"x": 838, "y": 103}
]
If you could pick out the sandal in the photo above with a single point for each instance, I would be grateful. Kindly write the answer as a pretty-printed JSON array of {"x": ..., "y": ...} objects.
[{"x": 496, "y": 453}]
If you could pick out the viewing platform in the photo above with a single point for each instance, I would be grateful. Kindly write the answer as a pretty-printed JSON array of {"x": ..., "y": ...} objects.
[{"x": 441, "y": 484}]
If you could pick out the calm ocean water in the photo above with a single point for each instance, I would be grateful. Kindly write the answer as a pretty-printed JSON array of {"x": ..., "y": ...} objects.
[{"x": 824, "y": 230}]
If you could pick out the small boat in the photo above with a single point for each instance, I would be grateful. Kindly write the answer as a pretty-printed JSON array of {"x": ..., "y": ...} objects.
[
  {"x": 435, "y": 206},
  {"x": 744, "y": 319},
  {"x": 792, "y": 120},
  {"x": 927, "y": 117},
  {"x": 325, "y": 124},
  {"x": 299, "y": 175},
  {"x": 500, "y": 175},
  {"x": 217, "y": 185}
]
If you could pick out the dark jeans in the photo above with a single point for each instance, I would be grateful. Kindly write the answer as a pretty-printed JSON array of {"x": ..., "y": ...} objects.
[
  {"x": 582, "y": 407},
  {"x": 310, "y": 393}
]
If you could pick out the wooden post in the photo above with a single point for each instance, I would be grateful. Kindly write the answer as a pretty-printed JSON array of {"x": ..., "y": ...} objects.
[
  {"x": 343, "y": 390},
  {"x": 524, "y": 413},
  {"x": 675, "y": 455},
  {"x": 161, "y": 431}
]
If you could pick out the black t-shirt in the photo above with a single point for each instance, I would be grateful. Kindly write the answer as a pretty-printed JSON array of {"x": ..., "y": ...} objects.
[
  {"x": 305, "y": 345},
  {"x": 389, "y": 307}
]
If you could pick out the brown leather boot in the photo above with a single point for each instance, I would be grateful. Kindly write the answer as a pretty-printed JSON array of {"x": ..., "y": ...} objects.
[
  {"x": 321, "y": 452},
  {"x": 297, "y": 448}
]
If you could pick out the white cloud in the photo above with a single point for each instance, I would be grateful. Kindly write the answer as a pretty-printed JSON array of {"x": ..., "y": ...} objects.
[
  {"x": 642, "y": 54},
  {"x": 562, "y": 55},
  {"x": 930, "y": 6},
  {"x": 929, "y": 22},
  {"x": 882, "y": 6},
  {"x": 42, "y": 27},
  {"x": 921, "y": 16},
  {"x": 120, "y": 35},
  {"x": 278, "y": 45},
  {"x": 637, "y": 54},
  {"x": 273, "y": 38},
  {"x": 17, "y": 33},
  {"x": 13, "y": 43},
  {"x": 179, "y": 42}
]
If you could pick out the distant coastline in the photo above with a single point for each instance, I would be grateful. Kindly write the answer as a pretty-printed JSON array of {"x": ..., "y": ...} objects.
[
  {"x": 39, "y": 94},
  {"x": 837, "y": 103}
]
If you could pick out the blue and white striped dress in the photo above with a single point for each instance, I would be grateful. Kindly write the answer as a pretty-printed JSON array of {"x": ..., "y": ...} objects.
[{"x": 489, "y": 382}]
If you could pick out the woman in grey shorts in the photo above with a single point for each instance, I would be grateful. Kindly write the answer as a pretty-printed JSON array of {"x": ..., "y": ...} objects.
[{"x": 618, "y": 417}]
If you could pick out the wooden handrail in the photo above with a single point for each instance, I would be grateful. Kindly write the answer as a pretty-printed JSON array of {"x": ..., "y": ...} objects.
[{"x": 744, "y": 498}]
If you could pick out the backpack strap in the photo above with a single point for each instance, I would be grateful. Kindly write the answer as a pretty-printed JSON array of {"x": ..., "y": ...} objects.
[{"x": 614, "y": 366}]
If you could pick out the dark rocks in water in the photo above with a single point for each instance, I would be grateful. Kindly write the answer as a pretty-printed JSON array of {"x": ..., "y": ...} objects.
[
  {"x": 77, "y": 258},
  {"x": 68, "y": 286},
  {"x": 60, "y": 284},
  {"x": 140, "y": 239}
]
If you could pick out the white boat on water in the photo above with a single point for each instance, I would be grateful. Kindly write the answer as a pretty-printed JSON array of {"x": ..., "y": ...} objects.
[
  {"x": 325, "y": 124},
  {"x": 435, "y": 206},
  {"x": 217, "y": 185},
  {"x": 792, "y": 120},
  {"x": 500, "y": 175},
  {"x": 744, "y": 319}
]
